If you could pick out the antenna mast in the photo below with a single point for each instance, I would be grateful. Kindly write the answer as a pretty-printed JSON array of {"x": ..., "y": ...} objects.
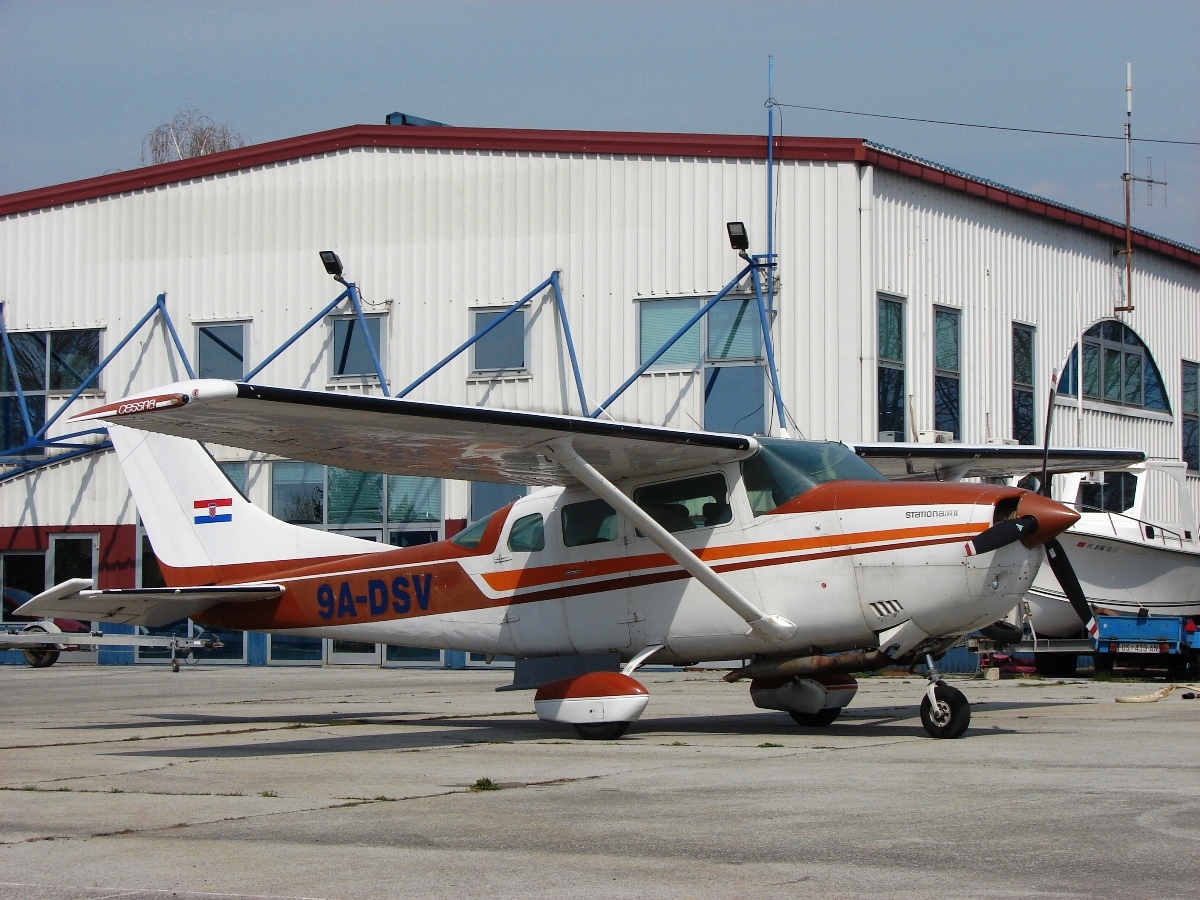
[{"x": 1129, "y": 178}]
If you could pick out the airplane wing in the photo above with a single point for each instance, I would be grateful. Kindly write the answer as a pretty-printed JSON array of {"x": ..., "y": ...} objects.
[
  {"x": 151, "y": 607},
  {"x": 384, "y": 434},
  {"x": 951, "y": 462}
]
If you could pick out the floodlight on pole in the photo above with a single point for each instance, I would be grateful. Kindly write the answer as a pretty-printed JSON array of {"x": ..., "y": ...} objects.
[{"x": 333, "y": 265}]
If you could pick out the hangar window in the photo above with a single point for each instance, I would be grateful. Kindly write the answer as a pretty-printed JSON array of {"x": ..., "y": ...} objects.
[
  {"x": 727, "y": 342},
  {"x": 1116, "y": 369},
  {"x": 414, "y": 499},
  {"x": 406, "y": 509},
  {"x": 221, "y": 351},
  {"x": 487, "y": 497},
  {"x": 891, "y": 368},
  {"x": 1191, "y": 415},
  {"x": 1024, "y": 428},
  {"x": 352, "y": 348},
  {"x": 46, "y": 362},
  {"x": 23, "y": 576},
  {"x": 236, "y": 472},
  {"x": 947, "y": 395},
  {"x": 298, "y": 492},
  {"x": 502, "y": 348}
]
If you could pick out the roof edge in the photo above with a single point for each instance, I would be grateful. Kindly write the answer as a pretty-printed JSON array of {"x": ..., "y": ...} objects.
[
  {"x": 621, "y": 143},
  {"x": 717, "y": 146}
]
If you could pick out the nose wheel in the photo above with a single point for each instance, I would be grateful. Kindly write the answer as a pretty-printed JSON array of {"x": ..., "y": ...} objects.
[{"x": 945, "y": 712}]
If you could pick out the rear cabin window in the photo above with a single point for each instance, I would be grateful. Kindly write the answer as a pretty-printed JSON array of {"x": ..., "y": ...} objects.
[
  {"x": 784, "y": 469},
  {"x": 473, "y": 535},
  {"x": 589, "y": 522},
  {"x": 699, "y": 502}
]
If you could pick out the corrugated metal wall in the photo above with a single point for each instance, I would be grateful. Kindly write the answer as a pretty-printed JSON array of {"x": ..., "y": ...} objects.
[
  {"x": 430, "y": 235},
  {"x": 1000, "y": 266}
]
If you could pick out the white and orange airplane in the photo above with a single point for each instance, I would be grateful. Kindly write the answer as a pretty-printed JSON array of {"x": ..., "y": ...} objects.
[{"x": 679, "y": 546}]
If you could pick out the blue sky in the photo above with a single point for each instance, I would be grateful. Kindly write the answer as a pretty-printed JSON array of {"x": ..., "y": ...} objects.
[{"x": 81, "y": 84}]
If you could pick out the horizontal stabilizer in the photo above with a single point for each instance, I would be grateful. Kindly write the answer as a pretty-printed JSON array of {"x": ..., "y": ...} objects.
[{"x": 152, "y": 607}]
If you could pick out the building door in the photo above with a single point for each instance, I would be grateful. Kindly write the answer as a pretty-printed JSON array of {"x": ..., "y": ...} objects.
[
  {"x": 23, "y": 576},
  {"x": 355, "y": 653},
  {"x": 75, "y": 556}
]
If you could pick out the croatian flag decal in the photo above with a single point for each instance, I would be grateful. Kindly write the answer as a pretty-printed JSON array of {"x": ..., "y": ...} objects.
[{"x": 208, "y": 511}]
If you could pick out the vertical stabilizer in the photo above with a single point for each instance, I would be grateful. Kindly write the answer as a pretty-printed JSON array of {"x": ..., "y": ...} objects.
[{"x": 196, "y": 519}]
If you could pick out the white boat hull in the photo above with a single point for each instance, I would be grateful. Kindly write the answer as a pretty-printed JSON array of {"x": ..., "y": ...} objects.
[{"x": 1119, "y": 577}]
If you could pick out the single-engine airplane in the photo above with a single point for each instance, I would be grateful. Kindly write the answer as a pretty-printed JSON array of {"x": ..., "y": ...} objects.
[{"x": 679, "y": 545}]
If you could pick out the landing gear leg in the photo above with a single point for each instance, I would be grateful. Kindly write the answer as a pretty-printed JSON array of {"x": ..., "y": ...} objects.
[{"x": 945, "y": 712}]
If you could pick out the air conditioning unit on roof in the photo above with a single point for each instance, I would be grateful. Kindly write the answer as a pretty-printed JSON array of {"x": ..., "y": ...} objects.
[
  {"x": 891, "y": 437},
  {"x": 935, "y": 437},
  {"x": 1007, "y": 442}
]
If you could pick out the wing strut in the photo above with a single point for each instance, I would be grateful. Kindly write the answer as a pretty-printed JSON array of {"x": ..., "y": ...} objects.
[{"x": 770, "y": 627}]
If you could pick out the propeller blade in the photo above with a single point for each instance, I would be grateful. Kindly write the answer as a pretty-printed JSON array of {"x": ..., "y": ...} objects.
[
  {"x": 1065, "y": 573},
  {"x": 1004, "y": 533}
]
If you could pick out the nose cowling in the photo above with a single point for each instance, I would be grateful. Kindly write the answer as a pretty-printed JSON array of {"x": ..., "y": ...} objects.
[{"x": 1053, "y": 518}]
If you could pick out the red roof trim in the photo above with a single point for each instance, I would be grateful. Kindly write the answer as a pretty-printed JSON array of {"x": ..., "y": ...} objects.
[
  {"x": 617, "y": 143},
  {"x": 996, "y": 194},
  {"x": 716, "y": 146}
]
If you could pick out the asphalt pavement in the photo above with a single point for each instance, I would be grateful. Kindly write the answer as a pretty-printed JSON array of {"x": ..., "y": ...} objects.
[{"x": 361, "y": 782}]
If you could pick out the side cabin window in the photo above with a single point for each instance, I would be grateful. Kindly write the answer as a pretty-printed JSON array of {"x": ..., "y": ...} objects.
[
  {"x": 784, "y": 469},
  {"x": 588, "y": 522},
  {"x": 528, "y": 534},
  {"x": 699, "y": 502}
]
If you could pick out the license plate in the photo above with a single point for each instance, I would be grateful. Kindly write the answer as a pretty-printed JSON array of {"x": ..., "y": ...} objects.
[{"x": 1137, "y": 648}]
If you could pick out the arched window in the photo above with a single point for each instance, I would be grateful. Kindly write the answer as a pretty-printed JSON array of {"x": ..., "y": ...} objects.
[{"x": 1117, "y": 369}]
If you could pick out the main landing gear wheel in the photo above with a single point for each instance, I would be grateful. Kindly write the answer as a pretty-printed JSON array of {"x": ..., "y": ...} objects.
[
  {"x": 951, "y": 716},
  {"x": 601, "y": 731},
  {"x": 39, "y": 659},
  {"x": 820, "y": 719}
]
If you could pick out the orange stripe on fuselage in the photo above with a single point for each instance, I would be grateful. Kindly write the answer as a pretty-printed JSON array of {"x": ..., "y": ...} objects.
[
  {"x": 386, "y": 592},
  {"x": 537, "y": 576}
]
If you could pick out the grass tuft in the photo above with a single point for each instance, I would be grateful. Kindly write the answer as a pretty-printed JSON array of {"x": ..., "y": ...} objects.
[{"x": 485, "y": 784}]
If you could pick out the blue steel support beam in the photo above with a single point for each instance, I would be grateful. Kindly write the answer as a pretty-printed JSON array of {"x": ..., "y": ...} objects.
[
  {"x": 161, "y": 303},
  {"x": 771, "y": 180},
  {"x": 15, "y": 375},
  {"x": 62, "y": 457},
  {"x": 770, "y": 348},
  {"x": 158, "y": 307},
  {"x": 671, "y": 341},
  {"x": 475, "y": 338},
  {"x": 295, "y": 337},
  {"x": 362, "y": 323},
  {"x": 562, "y": 315}
]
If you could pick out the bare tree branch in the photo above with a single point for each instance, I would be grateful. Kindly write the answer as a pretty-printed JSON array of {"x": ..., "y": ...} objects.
[{"x": 189, "y": 134}]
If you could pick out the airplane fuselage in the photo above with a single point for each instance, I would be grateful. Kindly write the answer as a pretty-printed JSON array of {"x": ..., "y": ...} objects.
[{"x": 845, "y": 561}]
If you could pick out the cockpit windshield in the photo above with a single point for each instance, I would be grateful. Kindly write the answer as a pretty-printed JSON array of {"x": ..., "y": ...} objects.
[{"x": 784, "y": 469}]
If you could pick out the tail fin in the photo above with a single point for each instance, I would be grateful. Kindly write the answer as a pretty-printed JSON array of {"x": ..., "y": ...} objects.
[{"x": 202, "y": 529}]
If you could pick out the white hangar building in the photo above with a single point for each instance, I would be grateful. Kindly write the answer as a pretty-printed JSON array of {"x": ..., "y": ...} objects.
[{"x": 909, "y": 299}]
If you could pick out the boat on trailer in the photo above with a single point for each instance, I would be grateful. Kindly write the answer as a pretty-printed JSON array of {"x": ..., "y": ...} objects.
[{"x": 1127, "y": 564}]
